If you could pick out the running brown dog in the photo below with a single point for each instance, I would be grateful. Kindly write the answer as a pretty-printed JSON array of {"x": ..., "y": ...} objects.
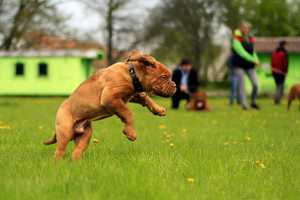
[
  {"x": 293, "y": 94},
  {"x": 198, "y": 102},
  {"x": 105, "y": 94}
]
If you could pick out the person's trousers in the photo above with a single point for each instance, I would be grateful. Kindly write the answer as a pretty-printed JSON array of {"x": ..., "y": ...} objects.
[
  {"x": 279, "y": 81},
  {"x": 233, "y": 87},
  {"x": 177, "y": 97},
  {"x": 251, "y": 74}
]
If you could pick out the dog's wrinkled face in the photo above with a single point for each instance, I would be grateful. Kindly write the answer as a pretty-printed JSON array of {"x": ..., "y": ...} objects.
[{"x": 156, "y": 77}]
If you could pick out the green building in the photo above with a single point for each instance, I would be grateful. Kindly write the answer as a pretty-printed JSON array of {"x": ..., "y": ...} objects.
[
  {"x": 265, "y": 46},
  {"x": 44, "y": 72}
]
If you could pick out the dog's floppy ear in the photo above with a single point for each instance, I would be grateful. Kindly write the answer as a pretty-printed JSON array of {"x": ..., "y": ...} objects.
[
  {"x": 137, "y": 56},
  {"x": 134, "y": 56}
]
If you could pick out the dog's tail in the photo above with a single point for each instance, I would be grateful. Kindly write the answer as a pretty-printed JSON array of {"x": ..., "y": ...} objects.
[{"x": 52, "y": 140}]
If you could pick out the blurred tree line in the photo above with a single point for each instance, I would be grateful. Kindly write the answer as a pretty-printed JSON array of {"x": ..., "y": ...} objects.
[
  {"x": 172, "y": 29},
  {"x": 269, "y": 17},
  {"x": 18, "y": 17},
  {"x": 187, "y": 28},
  {"x": 122, "y": 25}
]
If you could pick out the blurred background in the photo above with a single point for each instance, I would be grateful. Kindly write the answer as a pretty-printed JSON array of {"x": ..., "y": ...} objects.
[{"x": 47, "y": 47}]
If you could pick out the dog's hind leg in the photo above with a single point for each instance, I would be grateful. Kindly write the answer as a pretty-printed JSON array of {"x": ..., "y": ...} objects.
[
  {"x": 82, "y": 142},
  {"x": 64, "y": 133}
]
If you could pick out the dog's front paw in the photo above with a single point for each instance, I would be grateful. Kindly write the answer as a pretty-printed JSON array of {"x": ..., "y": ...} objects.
[
  {"x": 130, "y": 134},
  {"x": 131, "y": 137},
  {"x": 159, "y": 110}
]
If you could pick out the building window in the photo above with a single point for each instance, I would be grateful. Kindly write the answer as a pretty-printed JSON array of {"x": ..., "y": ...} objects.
[
  {"x": 19, "y": 69},
  {"x": 43, "y": 69}
]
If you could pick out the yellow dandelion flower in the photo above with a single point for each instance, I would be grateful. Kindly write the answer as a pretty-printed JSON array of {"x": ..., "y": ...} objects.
[
  {"x": 262, "y": 165},
  {"x": 172, "y": 145},
  {"x": 162, "y": 126},
  {"x": 257, "y": 161},
  {"x": 95, "y": 141},
  {"x": 168, "y": 136},
  {"x": 190, "y": 180},
  {"x": 247, "y": 138},
  {"x": 184, "y": 130},
  {"x": 4, "y": 126}
]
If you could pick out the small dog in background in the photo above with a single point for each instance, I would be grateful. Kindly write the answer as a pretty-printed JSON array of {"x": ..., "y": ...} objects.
[
  {"x": 293, "y": 94},
  {"x": 198, "y": 102}
]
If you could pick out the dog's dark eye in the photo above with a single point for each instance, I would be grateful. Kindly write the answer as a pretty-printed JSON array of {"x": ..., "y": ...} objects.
[
  {"x": 146, "y": 63},
  {"x": 164, "y": 77}
]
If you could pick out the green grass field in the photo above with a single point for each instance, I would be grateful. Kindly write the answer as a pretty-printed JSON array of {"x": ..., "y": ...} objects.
[{"x": 225, "y": 154}]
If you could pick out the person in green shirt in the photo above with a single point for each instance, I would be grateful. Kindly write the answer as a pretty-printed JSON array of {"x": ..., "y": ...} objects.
[{"x": 244, "y": 59}]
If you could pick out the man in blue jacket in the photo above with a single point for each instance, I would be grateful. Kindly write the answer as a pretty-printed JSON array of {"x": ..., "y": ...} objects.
[{"x": 186, "y": 80}]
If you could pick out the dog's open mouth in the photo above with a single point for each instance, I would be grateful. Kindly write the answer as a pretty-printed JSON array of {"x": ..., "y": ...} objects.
[
  {"x": 164, "y": 88},
  {"x": 166, "y": 91}
]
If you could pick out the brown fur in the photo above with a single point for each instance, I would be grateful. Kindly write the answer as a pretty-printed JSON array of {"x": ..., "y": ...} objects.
[
  {"x": 198, "y": 102},
  {"x": 105, "y": 94},
  {"x": 293, "y": 94}
]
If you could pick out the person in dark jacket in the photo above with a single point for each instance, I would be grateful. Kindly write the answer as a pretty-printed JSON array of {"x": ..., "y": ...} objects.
[
  {"x": 186, "y": 80},
  {"x": 279, "y": 64}
]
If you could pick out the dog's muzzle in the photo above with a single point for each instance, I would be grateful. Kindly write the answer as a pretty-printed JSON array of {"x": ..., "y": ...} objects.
[{"x": 164, "y": 88}]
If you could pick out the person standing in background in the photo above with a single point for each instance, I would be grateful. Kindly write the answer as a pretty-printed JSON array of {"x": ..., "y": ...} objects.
[
  {"x": 244, "y": 61},
  {"x": 279, "y": 64},
  {"x": 186, "y": 80}
]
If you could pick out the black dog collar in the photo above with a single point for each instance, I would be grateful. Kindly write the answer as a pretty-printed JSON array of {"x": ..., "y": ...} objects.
[{"x": 135, "y": 80}]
